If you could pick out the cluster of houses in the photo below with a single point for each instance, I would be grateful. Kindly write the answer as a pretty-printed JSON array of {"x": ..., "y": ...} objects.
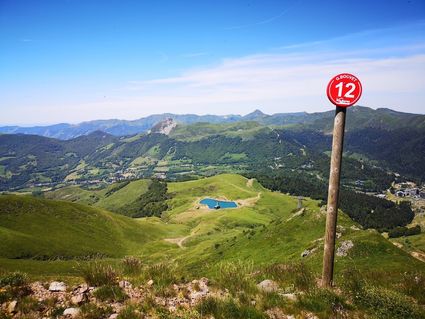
[{"x": 410, "y": 192}]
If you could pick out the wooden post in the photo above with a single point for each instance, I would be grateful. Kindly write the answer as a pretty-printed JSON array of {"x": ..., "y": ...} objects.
[{"x": 333, "y": 194}]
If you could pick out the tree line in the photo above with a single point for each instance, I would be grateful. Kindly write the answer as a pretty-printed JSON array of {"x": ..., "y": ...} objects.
[{"x": 368, "y": 211}]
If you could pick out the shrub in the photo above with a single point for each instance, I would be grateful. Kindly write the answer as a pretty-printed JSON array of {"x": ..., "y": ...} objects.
[
  {"x": 148, "y": 303},
  {"x": 98, "y": 274},
  {"x": 28, "y": 304},
  {"x": 132, "y": 265},
  {"x": 14, "y": 279},
  {"x": 129, "y": 312},
  {"x": 324, "y": 302},
  {"x": 271, "y": 300},
  {"x": 163, "y": 275},
  {"x": 388, "y": 304},
  {"x": 352, "y": 283},
  {"x": 13, "y": 286},
  {"x": 92, "y": 311},
  {"x": 413, "y": 284},
  {"x": 294, "y": 276},
  {"x": 225, "y": 309},
  {"x": 110, "y": 293},
  {"x": 236, "y": 277},
  {"x": 404, "y": 231}
]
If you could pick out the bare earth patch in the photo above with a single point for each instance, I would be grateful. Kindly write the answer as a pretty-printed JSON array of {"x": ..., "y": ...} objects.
[
  {"x": 178, "y": 241},
  {"x": 249, "y": 182},
  {"x": 418, "y": 255}
]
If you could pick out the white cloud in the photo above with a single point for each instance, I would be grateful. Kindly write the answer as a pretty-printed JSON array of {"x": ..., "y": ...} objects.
[
  {"x": 274, "y": 83},
  {"x": 286, "y": 81},
  {"x": 275, "y": 80}
]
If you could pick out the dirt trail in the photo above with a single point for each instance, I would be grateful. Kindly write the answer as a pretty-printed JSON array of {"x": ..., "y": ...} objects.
[
  {"x": 418, "y": 255},
  {"x": 251, "y": 201},
  {"x": 178, "y": 241},
  {"x": 249, "y": 182}
]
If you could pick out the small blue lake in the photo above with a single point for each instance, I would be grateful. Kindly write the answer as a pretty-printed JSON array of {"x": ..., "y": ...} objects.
[{"x": 217, "y": 204}]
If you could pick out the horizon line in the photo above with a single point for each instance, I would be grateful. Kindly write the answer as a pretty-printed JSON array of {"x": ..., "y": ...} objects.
[{"x": 28, "y": 125}]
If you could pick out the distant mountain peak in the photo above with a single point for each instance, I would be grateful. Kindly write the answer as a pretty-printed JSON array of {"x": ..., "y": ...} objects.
[
  {"x": 164, "y": 127},
  {"x": 255, "y": 114}
]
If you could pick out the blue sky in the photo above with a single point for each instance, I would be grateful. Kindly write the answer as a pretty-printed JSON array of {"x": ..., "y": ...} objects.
[{"x": 76, "y": 60}]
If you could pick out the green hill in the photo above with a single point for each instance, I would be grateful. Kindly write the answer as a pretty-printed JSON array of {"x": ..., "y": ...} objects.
[
  {"x": 114, "y": 197},
  {"x": 33, "y": 228},
  {"x": 266, "y": 228},
  {"x": 380, "y": 140}
]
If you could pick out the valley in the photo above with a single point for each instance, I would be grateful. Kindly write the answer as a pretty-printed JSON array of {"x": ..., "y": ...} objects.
[
  {"x": 101, "y": 204},
  {"x": 376, "y": 155},
  {"x": 267, "y": 228},
  {"x": 262, "y": 228}
]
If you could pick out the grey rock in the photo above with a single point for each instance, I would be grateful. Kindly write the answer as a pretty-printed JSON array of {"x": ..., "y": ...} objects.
[
  {"x": 292, "y": 297},
  {"x": 72, "y": 312},
  {"x": 305, "y": 253},
  {"x": 83, "y": 288},
  {"x": 342, "y": 251},
  {"x": 56, "y": 286},
  {"x": 11, "y": 308},
  {"x": 124, "y": 284},
  {"x": 268, "y": 285},
  {"x": 308, "y": 252},
  {"x": 79, "y": 299}
]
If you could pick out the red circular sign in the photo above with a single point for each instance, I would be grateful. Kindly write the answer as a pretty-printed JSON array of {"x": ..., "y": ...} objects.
[{"x": 344, "y": 90}]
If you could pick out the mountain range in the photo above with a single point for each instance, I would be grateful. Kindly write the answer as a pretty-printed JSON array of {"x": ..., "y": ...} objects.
[
  {"x": 380, "y": 144},
  {"x": 360, "y": 117}
]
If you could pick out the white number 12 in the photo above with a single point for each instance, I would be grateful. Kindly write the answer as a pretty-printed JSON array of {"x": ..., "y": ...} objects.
[{"x": 352, "y": 87}]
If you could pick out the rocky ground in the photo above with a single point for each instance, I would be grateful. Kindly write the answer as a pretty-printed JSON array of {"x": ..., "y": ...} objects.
[{"x": 58, "y": 300}]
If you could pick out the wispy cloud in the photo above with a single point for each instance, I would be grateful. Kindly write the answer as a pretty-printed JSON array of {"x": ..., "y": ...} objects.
[
  {"x": 278, "y": 84},
  {"x": 264, "y": 21},
  {"x": 295, "y": 80},
  {"x": 282, "y": 81}
]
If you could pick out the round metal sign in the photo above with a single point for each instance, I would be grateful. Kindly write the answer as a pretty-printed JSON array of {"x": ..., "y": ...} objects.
[{"x": 344, "y": 90}]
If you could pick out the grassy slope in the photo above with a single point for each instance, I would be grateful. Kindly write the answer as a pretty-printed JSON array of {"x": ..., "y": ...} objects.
[
  {"x": 264, "y": 230},
  {"x": 35, "y": 228},
  {"x": 283, "y": 237},
  {"x": 198, "y": 131},
  {"x": 414, "y": 244},
  {"x": 100, "y": 198}
]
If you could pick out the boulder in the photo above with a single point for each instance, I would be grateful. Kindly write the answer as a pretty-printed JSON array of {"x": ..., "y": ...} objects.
[
  {"x": 11, "y": 308},
  {"x": 79, "y": 299},
  {"x": 124, "y": 284},
  {"x": 308, "y": 252},
  {"x": 292, "y": 297},
  {"x": 56, "y": 286},
  {"x": 72, "y": 312},
  {"x": 305, "y": 253},
  {"x": 150, "y": 282},
  {"x": 268, "y": 286},
  {"x": 83, "y": 288},
  {"x": 342, "y": 251}
]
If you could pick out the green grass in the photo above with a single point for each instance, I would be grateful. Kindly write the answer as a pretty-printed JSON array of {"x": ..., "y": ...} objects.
[
  {"x": 113, "y": 197},
  {"x": 262, "y": 231},
  {"x": 44, "y": 229},
  {"x": 198, "y": 131}
]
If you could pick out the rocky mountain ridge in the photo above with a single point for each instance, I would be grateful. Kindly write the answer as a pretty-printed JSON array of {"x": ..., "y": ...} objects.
[{"x": 359, "y": 117}]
